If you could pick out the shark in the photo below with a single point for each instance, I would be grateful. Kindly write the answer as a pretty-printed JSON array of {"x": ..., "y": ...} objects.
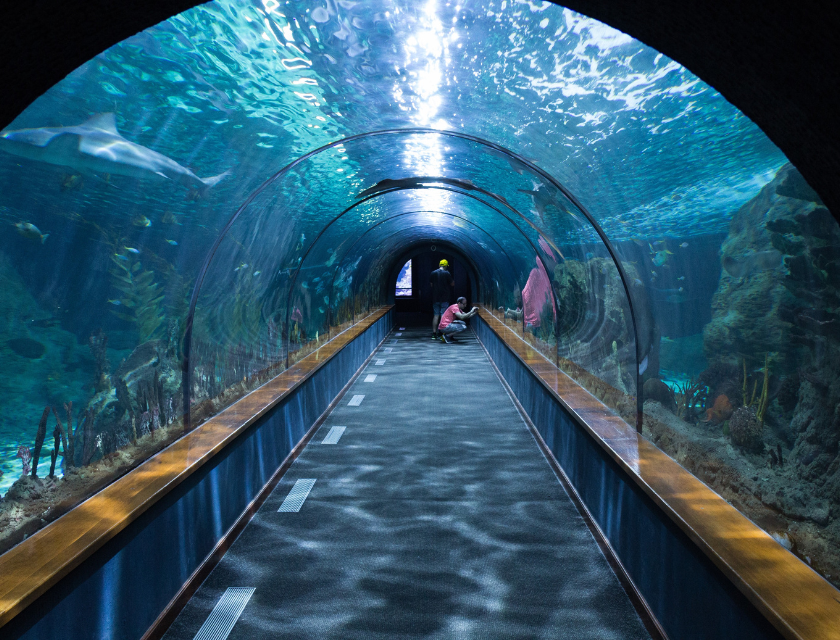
[{"x": 95, "y": 146}]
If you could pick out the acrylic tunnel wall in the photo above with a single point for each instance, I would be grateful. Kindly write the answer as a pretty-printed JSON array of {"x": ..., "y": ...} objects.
[{"x": 209, "y": 201}]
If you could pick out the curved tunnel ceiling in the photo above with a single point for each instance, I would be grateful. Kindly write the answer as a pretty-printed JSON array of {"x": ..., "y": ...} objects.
[{"x": 772, "y": 61}]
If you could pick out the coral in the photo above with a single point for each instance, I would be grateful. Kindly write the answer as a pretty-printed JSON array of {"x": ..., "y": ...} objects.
[
  {"x": 39, "y": 440},
  {"x": 745, "y": 429},
  {"x": 140, "y": 302},
  {"x": 689, "y": 396},
  {"x": 25, "y": 456},
  {"x": 720, "y": 411}
]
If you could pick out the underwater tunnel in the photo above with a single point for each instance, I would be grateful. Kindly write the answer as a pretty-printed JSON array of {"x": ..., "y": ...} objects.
[{"x": 219, "y": 235}]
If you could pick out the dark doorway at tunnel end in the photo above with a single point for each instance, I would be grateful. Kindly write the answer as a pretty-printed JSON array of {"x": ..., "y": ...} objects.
[{"x": 416, "y": 309}]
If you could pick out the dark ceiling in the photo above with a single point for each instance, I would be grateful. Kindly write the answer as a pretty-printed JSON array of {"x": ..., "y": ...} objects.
[{"x": 776, "y": 62}]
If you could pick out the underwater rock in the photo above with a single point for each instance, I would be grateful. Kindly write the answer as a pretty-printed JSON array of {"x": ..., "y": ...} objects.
[
  {"x": 27, "y": 348},
  {"x": 775, "y": 294},
  {"x": 745, "y": 430},
  {"x": 25, "y": 488},
  {"x": 655, "y": 389}
]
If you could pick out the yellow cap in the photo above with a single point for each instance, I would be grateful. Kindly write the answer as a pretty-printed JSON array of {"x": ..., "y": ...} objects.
[{"x": 444, "y": 263}]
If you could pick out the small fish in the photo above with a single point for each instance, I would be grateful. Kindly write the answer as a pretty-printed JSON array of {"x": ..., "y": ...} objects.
[
  {"x": 132, "y": 250},
  {"x": 661, "y": 257},
  {"x": 331, "y": 261},
  {"x": 643, "y": 366},
  {"x": 681, "y": 278},
  {"x": 115, "y": 302},
  {"x": 71, "y": 182},
  {"x": 31, "y": 232},
  {"x": 320, "y": 309},
  {"x": 120, "y": 256},
  {"x": 243, "y": 266},
  {"x": 684, "y": 245},
  {"x": 141, "y": 221},
  {"x": 680, "y": 289},
  {"x": 169, "y": 218},
  {"x": 256, "y": 273},
  {"x": 637, "y": 282},
  {"x": 174, "y": 243},
  {"x": 303, "y": 285},
  {"x": 326, "y": 299}
]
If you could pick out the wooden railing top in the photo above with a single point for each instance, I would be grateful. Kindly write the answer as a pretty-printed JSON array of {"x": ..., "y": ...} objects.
[
  {"x": 36, "y": 564},
  {"x": 800, "y": 603}
]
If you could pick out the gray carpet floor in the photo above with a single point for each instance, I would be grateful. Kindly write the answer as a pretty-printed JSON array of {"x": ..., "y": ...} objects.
[{"x": 434, "y": 516}]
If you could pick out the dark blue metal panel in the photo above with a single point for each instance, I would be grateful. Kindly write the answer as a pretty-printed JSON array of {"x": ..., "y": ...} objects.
[
  {"x": 688, "y": 594},
  {"x": 119, "y": 592}
]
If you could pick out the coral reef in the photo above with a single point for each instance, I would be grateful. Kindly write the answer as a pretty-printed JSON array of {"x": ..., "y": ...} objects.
[
  {"x": 719, "y": 411},
  {"x": 745, "y": 429}
]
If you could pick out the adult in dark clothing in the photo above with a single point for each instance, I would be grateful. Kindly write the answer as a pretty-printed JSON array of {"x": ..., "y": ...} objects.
[{"x": 442, "y": 283}]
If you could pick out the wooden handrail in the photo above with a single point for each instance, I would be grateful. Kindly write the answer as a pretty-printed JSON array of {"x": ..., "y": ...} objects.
[
  {"x": 36, "y": 564},
  {"x": 799, "y": 602}
]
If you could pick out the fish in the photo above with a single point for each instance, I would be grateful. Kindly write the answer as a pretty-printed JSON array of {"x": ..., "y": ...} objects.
[
  {"x": 320, "y": 309},
  {"x": 169, "y": 218},
  {"x": 542, "y": 199},
  {"x": 115, "y": 302},
  {"x": 95, "y": 146},
  {"x": 174, "y": 243},
  {"x": 414, "y": 183},
  {"x": 752, "y": 262},
  {"x": 326, "y": 299},
  {"x": 31, "y": 232},
  {"x": 681, "y": 278},
  {"x": 132, "y": 250},
  {"x": 332, "y": 259},
  {"x": 661, "y": 257},
  {"x": 643, "y": 365},
  {"x": 244, "y": 265},
  {"x": 120, "y": 256},
  {"x": 684, "y": 245},
  {"x": 71, "y": 182},
  {"x": 256, "y": 273},
  {"x": 141, "y": 221}
]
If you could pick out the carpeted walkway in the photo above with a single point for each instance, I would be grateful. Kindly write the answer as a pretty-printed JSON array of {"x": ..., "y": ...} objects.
[{"x": 434, "y": 516}]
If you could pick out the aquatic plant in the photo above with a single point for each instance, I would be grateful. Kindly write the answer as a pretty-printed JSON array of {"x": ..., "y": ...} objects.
[
  {"x": 140, "y": 302},
  {"x": 764, "y": 398},
  {"x": 689, "y": 396}
]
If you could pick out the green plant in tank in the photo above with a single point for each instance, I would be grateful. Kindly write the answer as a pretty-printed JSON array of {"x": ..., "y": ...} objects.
[
  {"x": 140, "y": 301},
  {"x": 764, "y": 399}
]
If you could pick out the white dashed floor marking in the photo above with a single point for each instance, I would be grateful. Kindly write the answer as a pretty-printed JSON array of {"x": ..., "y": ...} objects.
[
  {"x": 371, "y": 377},
  {"x": 294, "y": 501},
  {"x": 355, "y": 401},
  {"x": 220, "y": 622},
  {"x": 380, "y": 362},
  {"x": 334, "y": 435}
]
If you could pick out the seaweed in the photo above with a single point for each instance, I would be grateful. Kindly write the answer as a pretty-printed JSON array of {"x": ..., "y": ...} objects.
[
  {"x": 689, "y": 396},
  {"x": 764, "y": 399},
  {"x": 140, "y": 302}
]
